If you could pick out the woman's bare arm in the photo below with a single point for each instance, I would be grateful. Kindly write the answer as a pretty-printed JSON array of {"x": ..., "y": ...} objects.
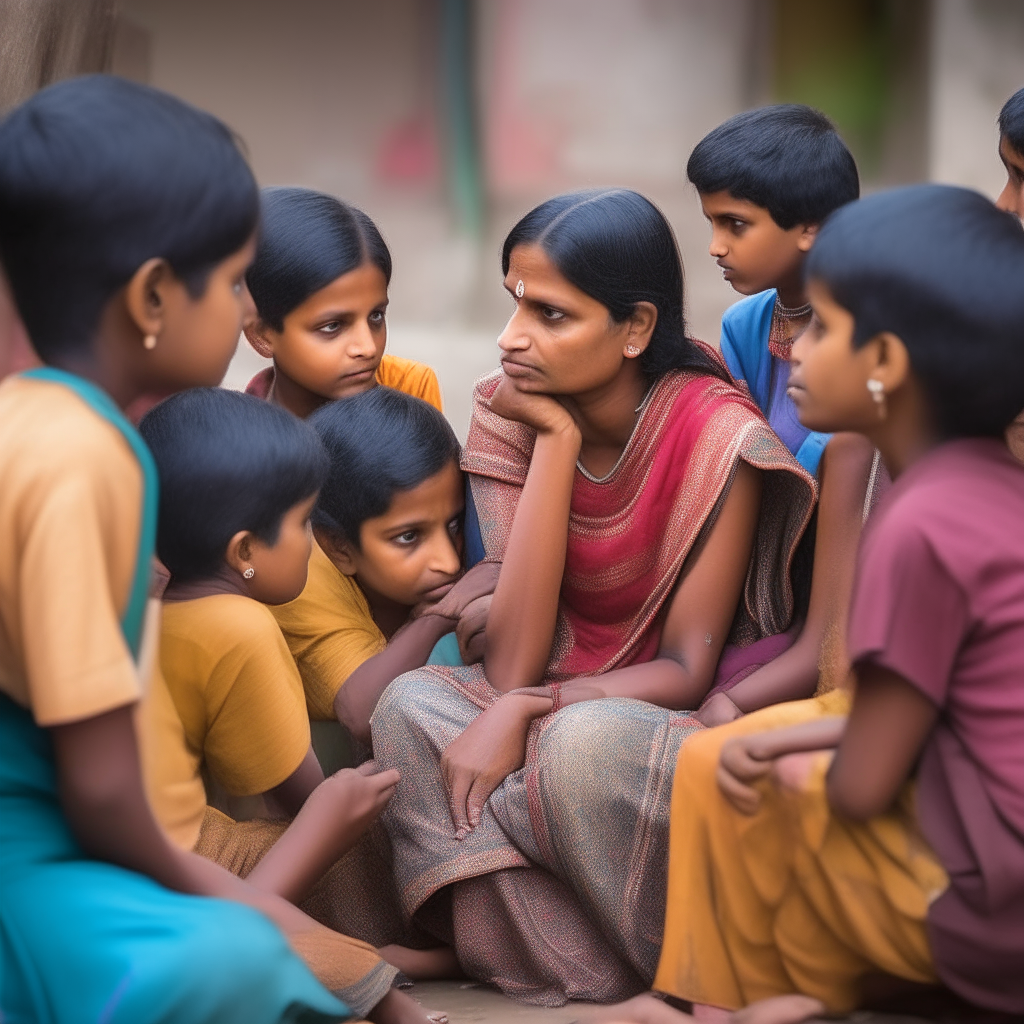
[
  {"x": 845, "y": 469},
  {"x": 521, "y": 623}
]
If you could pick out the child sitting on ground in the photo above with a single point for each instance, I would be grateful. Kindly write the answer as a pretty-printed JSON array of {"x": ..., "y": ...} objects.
[
  {"x": 127, "y": 219},
  {"x": 320, "y": 283},
  {"x": 766, "y": 179},
  {"x": 238, "y": 479},
  {"x": 890, "y": 842},
  {"x": 382, "y": 584}
]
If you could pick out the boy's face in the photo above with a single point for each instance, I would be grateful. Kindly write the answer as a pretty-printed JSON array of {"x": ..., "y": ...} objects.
[
  {"x": 198, "y": 336},
  {"x": 828, "y": 376},
  {"x": 752, "y": 250},
  {"x": 332, "y": 344},
  {"x": 413, "y": 552},
  {"x": 1011, "y": 198},
  {"x": 281, "y": 567}
]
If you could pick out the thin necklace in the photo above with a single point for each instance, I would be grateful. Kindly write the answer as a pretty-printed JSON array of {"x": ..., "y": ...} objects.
[
  {"x": 637, "y": 412},
  {"x": 780, "y": 336}
]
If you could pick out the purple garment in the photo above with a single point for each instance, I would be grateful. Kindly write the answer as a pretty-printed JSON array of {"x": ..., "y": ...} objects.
[
  {"x": 781, "y": 411},
  {"x": 939, "y": 600}
]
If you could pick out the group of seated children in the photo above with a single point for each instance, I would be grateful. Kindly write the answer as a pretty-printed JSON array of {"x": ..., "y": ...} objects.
[{"x": 850, "y": 806}]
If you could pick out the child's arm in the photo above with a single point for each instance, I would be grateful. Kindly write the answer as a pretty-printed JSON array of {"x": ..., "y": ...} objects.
[
  {"x": 845, "y": 469},
  {"x": 292, "y": 794},
  {"x": 329, "y": 824},
  {"x": 409, "y": 648},
  {"x": 100, "y": 786}
]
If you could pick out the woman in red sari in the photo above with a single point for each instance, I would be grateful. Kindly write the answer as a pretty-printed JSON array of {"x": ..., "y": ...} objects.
[{"x": 645, "y": 518}]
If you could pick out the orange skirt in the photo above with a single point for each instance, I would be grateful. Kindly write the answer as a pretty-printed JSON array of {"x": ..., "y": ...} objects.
[{"x": 792, "y": 899}]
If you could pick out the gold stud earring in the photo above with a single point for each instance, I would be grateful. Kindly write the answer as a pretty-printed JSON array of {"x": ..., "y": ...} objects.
[
  {"x": 249, "y": 573},
  {"x": 149, "y": 342},
  {"x": 877, "y": 390},
  {"x": 632, "y": 350}
]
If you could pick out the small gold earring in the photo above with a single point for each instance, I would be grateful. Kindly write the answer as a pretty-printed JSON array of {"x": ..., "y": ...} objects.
[
  {"x": 877, "y": 390},
  {"x": 149, "y": 342},
  {"x": 632, "y": 350},
  {"x": 249, "y": 573}
]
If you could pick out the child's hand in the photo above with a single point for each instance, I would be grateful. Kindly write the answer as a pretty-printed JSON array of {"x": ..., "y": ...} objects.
[
  {"x": 478, "y": 582},
  {"x": 542, "y": 412},
  {"x": 349, "y": 801},
  {"x": 717, "y": 710},
  {"x": 738, "y": 768},
  {"x": 471, "y": 631}
]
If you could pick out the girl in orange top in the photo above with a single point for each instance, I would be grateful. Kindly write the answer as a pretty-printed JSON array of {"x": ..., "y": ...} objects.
[{"x": 320, "y": 284}]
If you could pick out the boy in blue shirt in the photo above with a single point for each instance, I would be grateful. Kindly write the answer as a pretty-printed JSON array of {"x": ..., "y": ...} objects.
[{"x": 767, "y": 179}]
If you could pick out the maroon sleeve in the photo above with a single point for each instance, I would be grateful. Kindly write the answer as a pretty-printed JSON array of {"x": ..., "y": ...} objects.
[{"x": 907, "y": 613}]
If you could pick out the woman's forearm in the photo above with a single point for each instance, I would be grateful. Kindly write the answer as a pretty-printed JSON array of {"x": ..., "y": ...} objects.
[
  {"x": 521, "y": 623},
  {"x": 409, "y": 648}
]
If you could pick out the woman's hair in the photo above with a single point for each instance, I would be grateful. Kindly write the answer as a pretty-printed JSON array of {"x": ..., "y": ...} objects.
[
  {"x": 307, "y": 240},
  {"x": 98, "y": 175},
  {"x": 787, "y": 158},
  {"x": 379, "y": 443},
  {"x": 227, "y": 462},
  {"x": 617, "y": 247},
  {"x": 1011, "y": 120},
  {"x": 941, "y": 268}
]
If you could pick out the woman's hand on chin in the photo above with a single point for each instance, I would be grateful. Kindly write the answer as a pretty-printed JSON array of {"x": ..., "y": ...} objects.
[
  {"x": 478, "y": 761},
  {"x": 542, "y": 412}
]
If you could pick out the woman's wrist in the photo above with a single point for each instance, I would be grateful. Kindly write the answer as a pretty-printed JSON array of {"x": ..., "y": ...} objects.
[{"x": 529, "y": 702}]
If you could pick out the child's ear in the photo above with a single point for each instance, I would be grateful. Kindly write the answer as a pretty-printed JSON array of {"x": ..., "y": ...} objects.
[
  {"x": 238, "y": 554},
  {"x": 807, "y": 236},
  {"x": 337, "y": 550},
  {"x": 892, "y": 361},
  {"x": 144, "y": 296},
  {"x": 641, "y": 324},
  {"x": 257, "y": 335}
]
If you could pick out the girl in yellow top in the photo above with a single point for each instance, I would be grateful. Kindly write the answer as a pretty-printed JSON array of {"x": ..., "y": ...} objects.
[
  {"x": 238, "y": 479},
  {"x": 320, "y": 284},
  {"x": 127, "y": 220}
]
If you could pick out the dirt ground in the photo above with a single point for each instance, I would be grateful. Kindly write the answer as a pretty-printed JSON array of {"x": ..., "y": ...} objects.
[{"x": 467, "y": 1003}]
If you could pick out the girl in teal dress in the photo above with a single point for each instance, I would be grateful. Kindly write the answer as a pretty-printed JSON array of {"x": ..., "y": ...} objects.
[{"x": 126, "y": 225}]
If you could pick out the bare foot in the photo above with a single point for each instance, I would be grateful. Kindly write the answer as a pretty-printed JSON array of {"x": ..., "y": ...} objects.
[
  {"x": 423, "y": 964},
  {"x": 398, "y": 1008},
  {"x": 648, "y": 1009}
]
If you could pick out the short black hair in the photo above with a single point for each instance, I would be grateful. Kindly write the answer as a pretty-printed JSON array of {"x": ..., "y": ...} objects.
[
  {"x": 227, "y": 462},
  {"x": 787, "y": 158},
  {"x": 941, "y": 268},
  {"x": 98, "y": 175},
  {"x": 307, "y": 240},
  {"x": 1011, "y": 120},
  {"x": 379, "y": 443}
]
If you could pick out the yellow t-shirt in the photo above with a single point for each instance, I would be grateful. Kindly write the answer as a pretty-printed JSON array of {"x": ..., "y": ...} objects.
[
  {"x": 239, "y": 699},
  {"x": 70, "y": 514},
  {"x": 330, "y": 632},
  {"x": 416, "y": 379}
]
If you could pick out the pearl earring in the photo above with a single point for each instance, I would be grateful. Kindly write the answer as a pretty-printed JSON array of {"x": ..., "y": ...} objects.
[
  {"x": 249, "y": 573},
  {"x": 877, "y": 390},
  {"x": 520, "y": 290},
  {"x": 149, "y": 342}
]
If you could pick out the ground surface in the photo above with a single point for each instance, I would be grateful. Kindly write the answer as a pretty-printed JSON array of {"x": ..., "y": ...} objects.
[{"x": 468, "y": 1003}]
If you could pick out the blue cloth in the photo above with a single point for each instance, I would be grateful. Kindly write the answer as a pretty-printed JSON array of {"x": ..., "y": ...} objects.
[
  {"x": 744, "y": 342},
  {"x": 86, "y": 941},
  {"x": 446, "y": 651},
  {"x": 474, "y": 542}
]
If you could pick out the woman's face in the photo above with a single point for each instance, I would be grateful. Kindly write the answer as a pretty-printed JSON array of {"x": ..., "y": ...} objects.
[
  {"x": 332, "y": 343},
  {"x": 559, "y": 340}
]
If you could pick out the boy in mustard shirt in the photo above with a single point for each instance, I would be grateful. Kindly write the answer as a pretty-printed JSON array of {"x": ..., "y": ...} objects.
[
  {"x": 238, "y": 480},
  {"x": 382, "y": 587}
]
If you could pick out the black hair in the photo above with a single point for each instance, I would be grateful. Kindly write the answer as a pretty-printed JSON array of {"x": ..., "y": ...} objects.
[
  {"x": 227, "y": 462},
  {"x": 941, "y": 268},
  {"x": 617, "y": 247},
  {"x": 1011, "y": 121},
  {"x": 98, "y": 175},
  {"x": 307, "y": 240},
  {"x": 379, "y": 442},
  {"x": 787, "y": 158}
]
